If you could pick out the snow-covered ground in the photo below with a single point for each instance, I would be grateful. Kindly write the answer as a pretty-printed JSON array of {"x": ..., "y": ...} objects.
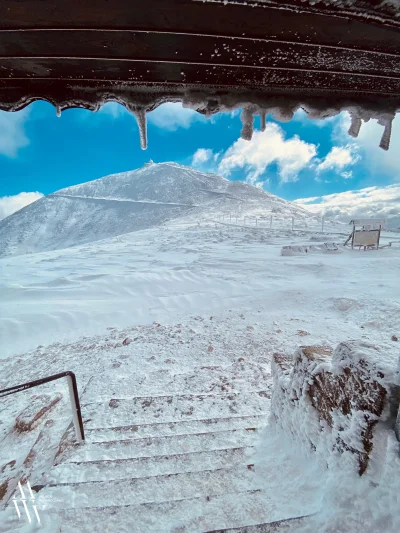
[
  {"x": 203, "y": 306},
  {"x": 178, "y": 270}
]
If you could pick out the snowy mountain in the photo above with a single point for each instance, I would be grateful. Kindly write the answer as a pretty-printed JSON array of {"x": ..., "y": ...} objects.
[{"x": 132, "y": 201}]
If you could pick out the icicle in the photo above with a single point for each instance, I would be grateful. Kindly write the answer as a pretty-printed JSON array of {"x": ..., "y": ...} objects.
[
  {"x": 355, "y": 126},
  {"x": 385, "y": 141},
  {"x": 263, "y": 115},
  {"x": 58, "y": 110},
  {"x": 141, "y": 118},
  {"x": 283, "y": 114},
  {"x": 247, "y": 121}
]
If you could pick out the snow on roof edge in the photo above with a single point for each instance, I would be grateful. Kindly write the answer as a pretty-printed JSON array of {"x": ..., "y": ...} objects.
[{"x": 282, "y": 108}]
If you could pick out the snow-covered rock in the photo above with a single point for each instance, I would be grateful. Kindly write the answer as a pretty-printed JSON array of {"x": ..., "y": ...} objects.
[
  {"x": 332, "y": 403},
  {"x": 132, "y": 201}
]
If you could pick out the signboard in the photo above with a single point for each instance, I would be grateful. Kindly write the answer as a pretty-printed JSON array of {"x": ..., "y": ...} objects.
[
  {"x": 366, "y": 238},
  {"x": 368, "y": 222}
]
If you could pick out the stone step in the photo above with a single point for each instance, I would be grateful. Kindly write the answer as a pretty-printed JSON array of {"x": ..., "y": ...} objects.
[
  {"x": 148, "y": 490},
  {"x": 188, "y": 515},
  {"x": 238, "y": 377},
  {"x": 289, "y": 525},
  {"x": 148, "y": 409},
  {"x": 175, "y": 428},
  {"x": 75, "y": 472},
  {"x": 168, "y": 445}
]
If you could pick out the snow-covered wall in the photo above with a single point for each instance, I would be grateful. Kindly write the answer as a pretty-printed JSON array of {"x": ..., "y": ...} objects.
[{"x": 332, "y": 402}]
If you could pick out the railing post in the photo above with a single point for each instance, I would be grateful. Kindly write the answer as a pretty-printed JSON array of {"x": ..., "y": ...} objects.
[
  {"x": 75, "y": 409},
  {"x": 73, "y": 393}
]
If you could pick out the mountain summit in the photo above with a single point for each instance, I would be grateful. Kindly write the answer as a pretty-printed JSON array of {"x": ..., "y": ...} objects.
[{"x": 132, "y": 201}]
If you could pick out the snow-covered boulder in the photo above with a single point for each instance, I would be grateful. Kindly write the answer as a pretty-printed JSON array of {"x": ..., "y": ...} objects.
[{"x": 332, "y": 402}]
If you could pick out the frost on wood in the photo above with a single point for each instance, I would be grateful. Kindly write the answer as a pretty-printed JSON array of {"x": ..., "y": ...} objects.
[
  {"x": 381, "y": 10},
  {"x": 281, "y": 108},
  {"x": 332, "y": 403}
]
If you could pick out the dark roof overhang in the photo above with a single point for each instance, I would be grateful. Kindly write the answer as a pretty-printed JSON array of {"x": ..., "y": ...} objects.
[{"x": 264, "y": 56}]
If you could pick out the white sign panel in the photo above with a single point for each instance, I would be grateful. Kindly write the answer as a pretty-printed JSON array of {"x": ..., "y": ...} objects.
[{"x": 366, "y": 238}]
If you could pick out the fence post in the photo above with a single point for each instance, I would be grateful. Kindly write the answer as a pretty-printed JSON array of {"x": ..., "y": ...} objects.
[
  {"x": 244, "y": 221},
  {"x": 270, "y": 223},
  {"x": 323, "y": 221},
  {"x": 292, "y": 223},
  {"x": 230, "y": 217},
  {"x": 256, "y": 222}
]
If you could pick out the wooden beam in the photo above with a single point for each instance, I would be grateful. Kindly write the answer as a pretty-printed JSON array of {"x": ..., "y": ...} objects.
[{"x": 86, "y": 51}]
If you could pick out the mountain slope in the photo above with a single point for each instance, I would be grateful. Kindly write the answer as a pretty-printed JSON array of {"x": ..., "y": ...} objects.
[{"x": 131, "y": 201}]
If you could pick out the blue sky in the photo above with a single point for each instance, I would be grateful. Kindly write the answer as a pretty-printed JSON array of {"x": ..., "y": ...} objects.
[{"x": 40, "y": 152}]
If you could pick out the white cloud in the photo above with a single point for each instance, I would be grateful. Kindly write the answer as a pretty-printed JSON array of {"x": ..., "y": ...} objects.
[
  {"x": 368, "y": 202},
  {"x": 347, "y": 175},
  {"x": 291, "y": 155},
  {"x": 113, "y": 109},
  {"x": 172, "y": 115},
  {"x": 201, "y": 156},
  {"x": 377, "y": 161},
  {"x": 338, "y": 158},
  {"x": 12, "y": 132},
  {"x": 302, "y": 117},
  {"x": 10, "y": 204}
]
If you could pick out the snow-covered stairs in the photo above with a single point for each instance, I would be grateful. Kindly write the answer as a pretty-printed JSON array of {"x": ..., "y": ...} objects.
[
  {"x": 165, "y": 463},
  {"x": 171, "y": 408},
  {"x": 160, "y": 446},
  {"x": 148, "y": 466}
]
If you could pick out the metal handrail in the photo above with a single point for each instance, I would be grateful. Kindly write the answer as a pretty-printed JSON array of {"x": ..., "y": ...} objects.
[{"x": 73, "y": 394}]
